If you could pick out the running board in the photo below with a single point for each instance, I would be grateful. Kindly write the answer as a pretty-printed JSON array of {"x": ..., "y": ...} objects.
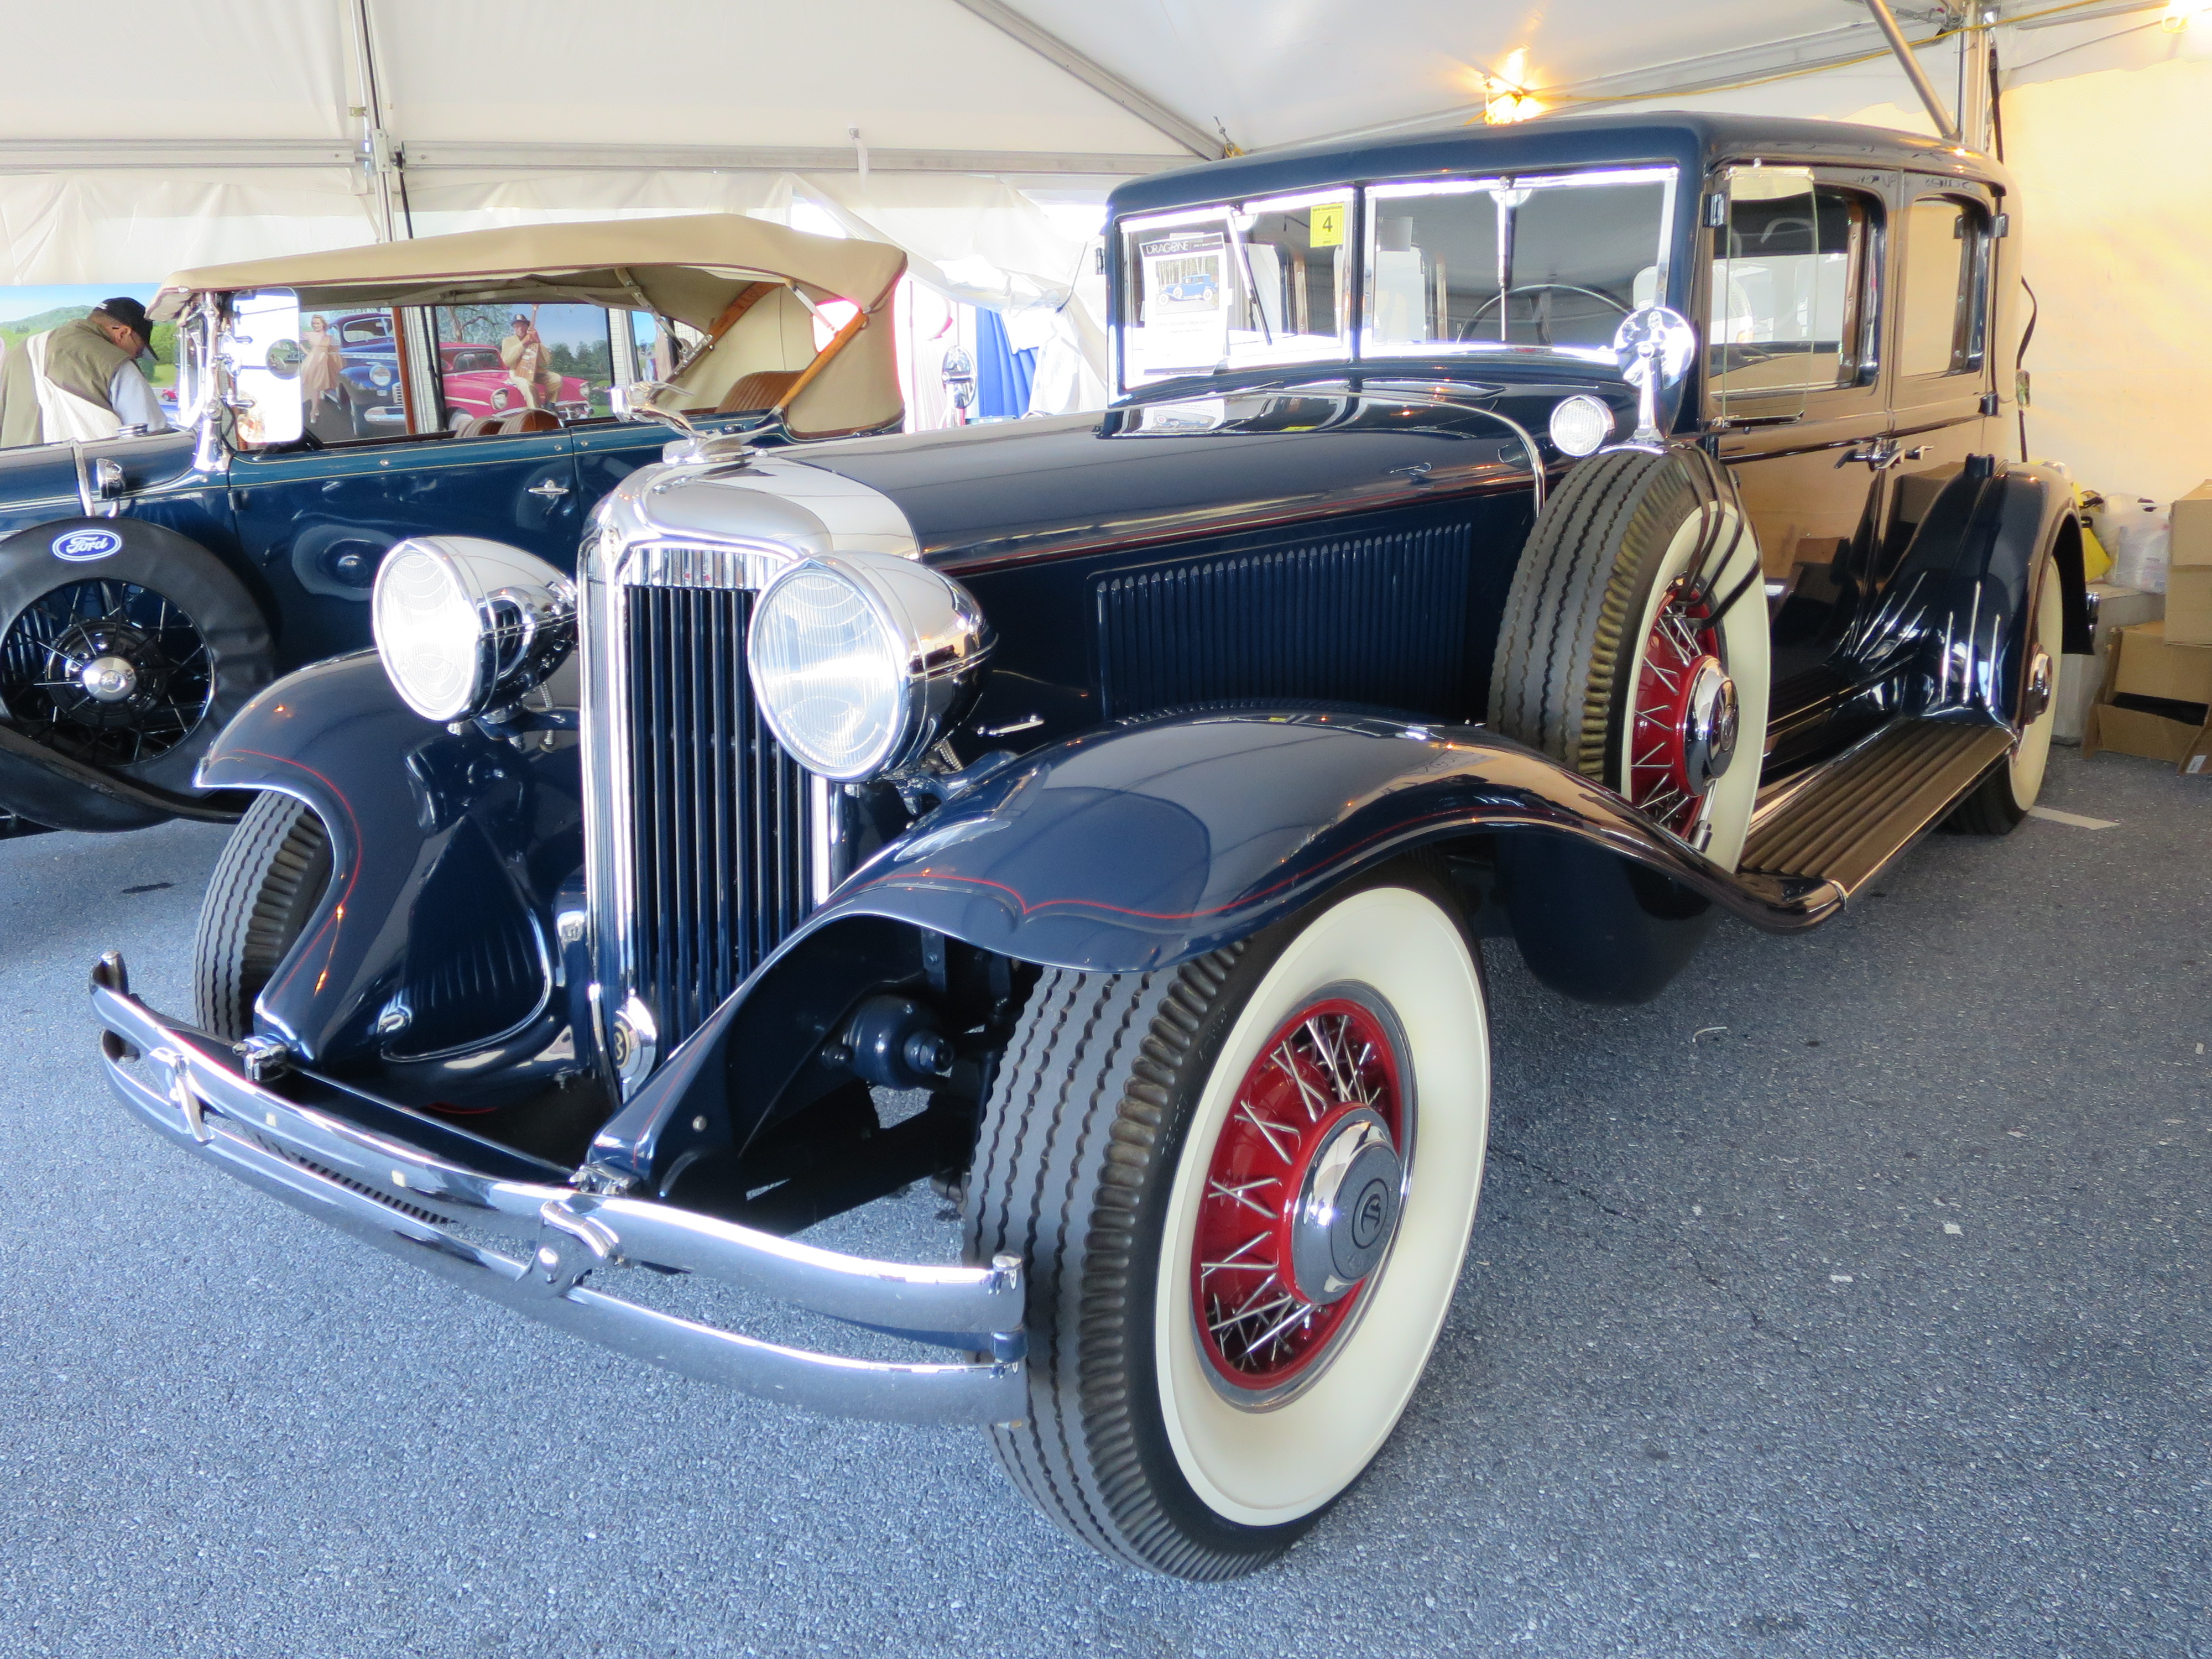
[{"x": 1867, "y": 807}]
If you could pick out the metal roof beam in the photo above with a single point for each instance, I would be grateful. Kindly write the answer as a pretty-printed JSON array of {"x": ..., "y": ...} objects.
[
  {"x": 432, "y": 156},
  {"x": 1100, "y": 79}
]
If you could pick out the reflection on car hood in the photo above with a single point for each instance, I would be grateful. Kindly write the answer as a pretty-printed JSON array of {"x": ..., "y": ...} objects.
[
  {"x": 36, "y": 472},
  {"x": 1163, "y": 468}
]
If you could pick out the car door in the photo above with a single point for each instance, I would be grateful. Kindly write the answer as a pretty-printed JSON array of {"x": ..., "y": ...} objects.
[
  {"x": 319, "y": 522},
  {"x": 607, "y": 452},
  {"x": 1942, "y": 380},
  {"x": 1795, "y": 395}
]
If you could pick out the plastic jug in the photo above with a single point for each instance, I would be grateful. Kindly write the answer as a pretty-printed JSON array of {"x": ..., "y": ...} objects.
[{"x": 2142, "y": 536}]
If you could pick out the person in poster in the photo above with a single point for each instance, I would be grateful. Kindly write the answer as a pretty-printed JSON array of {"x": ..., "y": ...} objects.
[
  {"x": 526, "y": 359},
  {"x": 321, "y": 371},
  {"x": 81, "y": 381}
]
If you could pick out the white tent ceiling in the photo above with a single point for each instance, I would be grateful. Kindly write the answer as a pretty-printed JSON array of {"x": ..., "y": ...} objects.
[{"x": 236, "y": 129}]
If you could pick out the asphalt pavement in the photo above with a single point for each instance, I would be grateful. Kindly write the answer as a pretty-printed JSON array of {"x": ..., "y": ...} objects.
[{"x": 1849, "y": 1300}]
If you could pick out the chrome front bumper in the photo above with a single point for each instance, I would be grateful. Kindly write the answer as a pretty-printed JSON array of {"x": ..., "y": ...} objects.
[{"x": 190, "y": 1088}]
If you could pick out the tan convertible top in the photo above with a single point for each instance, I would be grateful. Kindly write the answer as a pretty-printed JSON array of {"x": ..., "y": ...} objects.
[
  {"x": 741, "y": 281},
  {"x": 688, "y": 266}
]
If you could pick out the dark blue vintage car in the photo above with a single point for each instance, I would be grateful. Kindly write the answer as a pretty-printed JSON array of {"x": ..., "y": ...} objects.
[
  {"x": 151, "y": 585},
  {"x": 1099, "y": 816}
]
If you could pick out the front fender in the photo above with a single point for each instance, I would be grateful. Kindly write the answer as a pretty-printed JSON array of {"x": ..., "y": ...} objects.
[
  {"x": 1138, "y": 847},
  {"x": 436, "y": 941}
]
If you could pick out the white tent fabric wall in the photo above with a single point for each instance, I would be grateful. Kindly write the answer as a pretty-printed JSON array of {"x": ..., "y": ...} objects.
[
  {"x": 136, "y": 227},
  {"x": 229, "y": 131}
]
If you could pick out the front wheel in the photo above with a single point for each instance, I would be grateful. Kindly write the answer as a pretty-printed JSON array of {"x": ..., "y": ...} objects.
[
  {"x": 1243, "y": 1187},
  {"x": 266, "y": 887}
]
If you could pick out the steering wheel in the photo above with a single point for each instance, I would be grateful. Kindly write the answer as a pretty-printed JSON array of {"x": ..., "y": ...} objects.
[{"x": 1543, "y": 324}]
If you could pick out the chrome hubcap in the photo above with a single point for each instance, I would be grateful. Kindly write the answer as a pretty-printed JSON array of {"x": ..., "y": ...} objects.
[
  {"x": 110, "y": 679},
  {"x": 2038, "y": 688},
  {"x": 1346, "y": 1209},
  {"x": 1709, "y": 726}
]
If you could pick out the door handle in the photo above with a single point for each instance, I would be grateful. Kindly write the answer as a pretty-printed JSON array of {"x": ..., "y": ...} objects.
[
  {"x": 1881, "y": 454},
  {"x": 549, "y": 490}
]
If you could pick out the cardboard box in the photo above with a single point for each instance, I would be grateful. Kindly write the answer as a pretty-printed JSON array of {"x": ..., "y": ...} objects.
[
  {"x": 2082, "y": 678},
  {"x": 2192, "y": 519},
  {"x": 2188, "y": 605},
  {"x": 2146, "y": 662},
  {"x": 2131, "y": 731},
  {"x": 2143, "y": 663},
  {"x": 2197, "y": 762}
]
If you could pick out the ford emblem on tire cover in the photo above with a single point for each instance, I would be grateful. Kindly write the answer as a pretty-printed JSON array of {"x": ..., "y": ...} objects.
[{"x": 79, "y": 545}]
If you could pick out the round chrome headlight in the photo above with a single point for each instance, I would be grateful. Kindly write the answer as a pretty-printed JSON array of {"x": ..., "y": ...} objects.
[
  {"x": 465, "y": 626},
  {"x": 861, "y": 661},
  {"x": 1580, "y": 424}
]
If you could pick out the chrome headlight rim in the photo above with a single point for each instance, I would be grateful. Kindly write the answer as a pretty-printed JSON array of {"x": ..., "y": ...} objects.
[
  {"x": 1580, "y": 424},
  {"x": 518, "y": 612},
  {"x": 936, "y": 643}
]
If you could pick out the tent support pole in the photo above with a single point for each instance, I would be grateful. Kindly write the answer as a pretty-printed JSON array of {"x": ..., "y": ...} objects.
[
  {"x": 1886, "y": 19},
  {"x": 376, "y": 153},
  {"x": 1096, "y": 75}
]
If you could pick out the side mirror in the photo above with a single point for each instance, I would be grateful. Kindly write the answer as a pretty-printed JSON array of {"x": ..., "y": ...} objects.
[
  {"x": 263, "y": 352},
  {"x": 1653, "y": 347}
]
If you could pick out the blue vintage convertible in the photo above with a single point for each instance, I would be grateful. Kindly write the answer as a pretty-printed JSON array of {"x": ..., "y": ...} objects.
[
  {"x": 1099, "y": 816},
  {"x": 151, "y": 584}
]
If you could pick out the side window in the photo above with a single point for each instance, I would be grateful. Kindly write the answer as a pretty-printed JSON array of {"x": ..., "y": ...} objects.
[
  {"x": 1792, "y": 298},
  {"x": 1940, "y": 287}
]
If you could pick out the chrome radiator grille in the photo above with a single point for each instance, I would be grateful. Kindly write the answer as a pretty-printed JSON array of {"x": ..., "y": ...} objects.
[{"x": 707, "y": 860}]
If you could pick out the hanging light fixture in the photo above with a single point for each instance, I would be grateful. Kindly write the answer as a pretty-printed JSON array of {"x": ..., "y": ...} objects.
[{"x": 1505, "y": 97}]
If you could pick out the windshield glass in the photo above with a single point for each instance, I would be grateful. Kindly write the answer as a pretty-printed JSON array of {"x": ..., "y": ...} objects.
[
  {"x": 1235, "y": 285},
  {"x": 1477, "y": 264},
  {"x": 1549, "y": 263}
]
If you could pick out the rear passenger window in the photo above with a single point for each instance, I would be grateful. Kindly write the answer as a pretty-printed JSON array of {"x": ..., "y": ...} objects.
[{"x": 1940, "y": 288}]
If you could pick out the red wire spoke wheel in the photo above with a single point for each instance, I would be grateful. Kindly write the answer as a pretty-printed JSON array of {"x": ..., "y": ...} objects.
[
  {"x": 1302, "y": 1192},
  {"x": 1684, "y": 720}
]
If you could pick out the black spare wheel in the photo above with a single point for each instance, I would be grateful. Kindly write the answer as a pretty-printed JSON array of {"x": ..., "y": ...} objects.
[
  {"x": 1634, "y": 642},
  {"x": 272, "y": 876},
  {"x": 125, "y": 647},
  {"x": 1243, "y": 1186}
]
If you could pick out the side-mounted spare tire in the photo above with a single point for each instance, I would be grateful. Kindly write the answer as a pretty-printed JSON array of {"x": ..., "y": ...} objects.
[
  {"x": 1634, "y": 642},
  {"x": 125, "y": 647}
]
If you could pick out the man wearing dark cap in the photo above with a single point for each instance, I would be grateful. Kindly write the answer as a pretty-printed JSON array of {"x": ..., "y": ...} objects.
[{"x": 81, "y": 381}]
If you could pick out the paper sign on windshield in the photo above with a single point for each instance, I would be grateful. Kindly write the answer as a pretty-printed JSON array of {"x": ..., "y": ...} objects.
[{"x": 1186, "y": 299}]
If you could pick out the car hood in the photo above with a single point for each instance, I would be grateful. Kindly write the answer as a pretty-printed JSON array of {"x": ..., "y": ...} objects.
[{"x": 1163, "y": 468}]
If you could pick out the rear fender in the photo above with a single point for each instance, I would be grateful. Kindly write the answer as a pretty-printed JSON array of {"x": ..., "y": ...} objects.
[
  {"x": 440, "y": 939},
  {"x": 1948, "y": 633}
]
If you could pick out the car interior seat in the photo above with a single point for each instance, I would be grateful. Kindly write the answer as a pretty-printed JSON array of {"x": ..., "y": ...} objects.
[{"x": 764, "y": 388}]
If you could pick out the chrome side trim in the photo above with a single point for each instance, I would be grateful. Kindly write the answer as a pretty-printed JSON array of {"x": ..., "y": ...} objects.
[{"x": 405, "y": 1200}]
